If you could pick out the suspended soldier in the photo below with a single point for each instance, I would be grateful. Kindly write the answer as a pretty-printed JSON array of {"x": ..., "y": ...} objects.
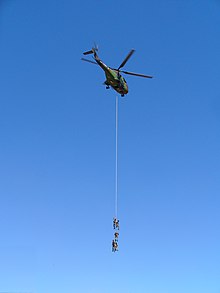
[
  {"x": 116, "y": 236},
  {"x": 114, "y": 246},
  {"x": 115, "y": 223}
]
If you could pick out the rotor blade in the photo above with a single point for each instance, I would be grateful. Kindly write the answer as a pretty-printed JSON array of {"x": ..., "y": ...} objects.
[
  {"x": 83, "y": 59},
  {"x": 137, "y": 74},
  {"x": 96, "y": 47},
  {"x": 88, "y": 52},
  {"x": 126, "y": 59}
]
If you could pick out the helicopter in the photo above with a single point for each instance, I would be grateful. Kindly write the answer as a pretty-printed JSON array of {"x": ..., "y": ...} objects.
[{"x": 113, "y": 77}]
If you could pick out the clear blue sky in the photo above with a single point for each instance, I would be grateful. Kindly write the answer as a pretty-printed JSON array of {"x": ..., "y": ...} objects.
[{"x": 57, "y": 147}]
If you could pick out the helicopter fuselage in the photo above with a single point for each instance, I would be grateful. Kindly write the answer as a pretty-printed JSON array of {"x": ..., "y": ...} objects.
[{"x": 113, "y": 78}]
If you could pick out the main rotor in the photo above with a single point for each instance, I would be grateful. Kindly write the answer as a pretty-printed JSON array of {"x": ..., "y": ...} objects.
[
  {"x": 128, "y": 72},
  {"x": 95, "y": 49}
]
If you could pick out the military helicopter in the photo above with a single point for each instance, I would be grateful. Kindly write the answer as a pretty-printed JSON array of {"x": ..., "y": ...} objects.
[{"x": 113, "y": 76}]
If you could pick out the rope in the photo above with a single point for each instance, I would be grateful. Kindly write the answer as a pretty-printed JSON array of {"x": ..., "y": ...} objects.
[{"x": 116, "y": 157}]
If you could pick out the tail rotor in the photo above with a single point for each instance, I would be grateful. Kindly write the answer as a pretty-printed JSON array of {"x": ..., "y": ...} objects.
[
  {"x": 88, "y": 52},
  {"x": 93, "y": 51}
]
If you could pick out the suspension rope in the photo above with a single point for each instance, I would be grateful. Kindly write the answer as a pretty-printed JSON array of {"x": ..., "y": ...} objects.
[
  {"x": 115, "y": 219},
  {"x": 116, "y": 157}
]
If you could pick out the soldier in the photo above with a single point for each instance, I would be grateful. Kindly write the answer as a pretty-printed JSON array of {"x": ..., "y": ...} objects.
[
  {"x": 116, "y": 236},
  {"x": 115, "y": 223},
  {"x": 114, "y": 246}
]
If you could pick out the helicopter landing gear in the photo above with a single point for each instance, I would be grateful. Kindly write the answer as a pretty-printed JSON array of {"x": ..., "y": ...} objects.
[{"x": 107, "y": 86}]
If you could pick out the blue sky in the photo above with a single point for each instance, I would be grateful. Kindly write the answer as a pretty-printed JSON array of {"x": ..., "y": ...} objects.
[{"x": 57, "y": 147}]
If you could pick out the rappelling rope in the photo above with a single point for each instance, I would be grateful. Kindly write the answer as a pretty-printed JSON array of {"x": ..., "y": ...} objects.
[
  {"x": 115, "y": 219},
  {"x": 116, "y": 157}
]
